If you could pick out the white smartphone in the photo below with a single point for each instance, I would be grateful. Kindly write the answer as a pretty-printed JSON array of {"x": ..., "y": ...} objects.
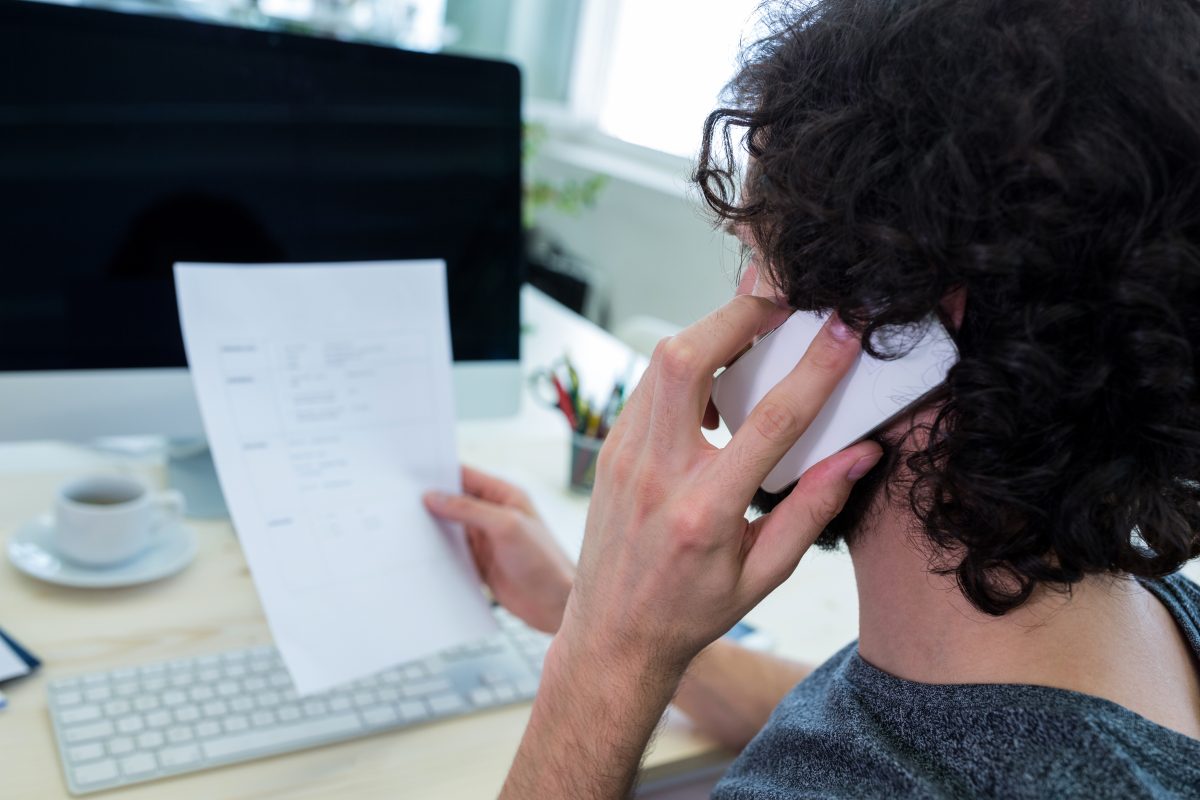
[{"x": 873, "y": 393}]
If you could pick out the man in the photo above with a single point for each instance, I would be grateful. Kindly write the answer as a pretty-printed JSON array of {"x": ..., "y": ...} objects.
[{"x": 1027, "y": 170}]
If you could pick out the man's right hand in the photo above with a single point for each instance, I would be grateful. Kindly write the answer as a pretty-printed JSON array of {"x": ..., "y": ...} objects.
[{"x": 519, "y": 560}]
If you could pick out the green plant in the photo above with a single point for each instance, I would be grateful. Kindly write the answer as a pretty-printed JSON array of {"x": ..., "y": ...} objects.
[{"x": 567, "y": 197}]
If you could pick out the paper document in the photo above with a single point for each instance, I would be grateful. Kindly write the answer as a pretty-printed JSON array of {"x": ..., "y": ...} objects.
[{"x": 326, "y": 395}]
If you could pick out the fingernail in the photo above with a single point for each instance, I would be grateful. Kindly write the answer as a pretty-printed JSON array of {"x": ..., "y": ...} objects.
[
  {"x": 435, "y": 499},
  {"x": 863, "y": 466},
  {"x": 839, "y": 329}
]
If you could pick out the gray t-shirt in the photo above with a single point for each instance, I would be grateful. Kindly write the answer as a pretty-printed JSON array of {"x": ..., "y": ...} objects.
[{"x": 850, "y": 730}]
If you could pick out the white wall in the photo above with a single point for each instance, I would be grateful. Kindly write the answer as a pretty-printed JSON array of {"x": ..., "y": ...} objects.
[{"x": 658, "y": 246}]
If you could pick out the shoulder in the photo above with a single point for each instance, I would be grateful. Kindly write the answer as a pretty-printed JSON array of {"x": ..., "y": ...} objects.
[{"x": 851, "y": 730}]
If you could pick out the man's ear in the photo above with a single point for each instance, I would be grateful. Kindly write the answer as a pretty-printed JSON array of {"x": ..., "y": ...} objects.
[{"x": 954, "y": 306}]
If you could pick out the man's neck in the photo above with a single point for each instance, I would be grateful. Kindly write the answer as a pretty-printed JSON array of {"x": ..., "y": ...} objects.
[{"x": 1109, "y": 637}]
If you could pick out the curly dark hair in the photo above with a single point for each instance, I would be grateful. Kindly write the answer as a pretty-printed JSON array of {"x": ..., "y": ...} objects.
[{"x": 1043, "y": 156}]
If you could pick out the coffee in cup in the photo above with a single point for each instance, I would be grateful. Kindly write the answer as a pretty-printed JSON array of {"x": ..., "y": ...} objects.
[{"x": 106, "y": 519}]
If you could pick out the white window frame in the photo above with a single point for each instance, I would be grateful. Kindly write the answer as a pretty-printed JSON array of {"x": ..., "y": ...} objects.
[{"x": 574, "y": 133}]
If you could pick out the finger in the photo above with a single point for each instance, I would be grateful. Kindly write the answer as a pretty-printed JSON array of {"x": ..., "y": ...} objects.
[
  {"x": 489, "y": 517},
  {"x": 781, "y": 538},
  {"x": 683, "y": 365},
  {"x": 489, "y": 487},
  {"x": 787, "y": 410},
  {"x": 481, "y": 551}
]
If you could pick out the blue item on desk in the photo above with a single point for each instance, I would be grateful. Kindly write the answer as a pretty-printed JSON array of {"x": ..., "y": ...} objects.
[{"x": 12, "y": 655}]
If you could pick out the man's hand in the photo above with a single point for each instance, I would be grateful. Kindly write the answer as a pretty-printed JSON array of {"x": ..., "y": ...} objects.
[
  {"x": 519, "y": 560},
  {"x": 669, "y": 561}
]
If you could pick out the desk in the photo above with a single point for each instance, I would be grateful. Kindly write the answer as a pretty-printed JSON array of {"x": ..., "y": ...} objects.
[{"x": 211, "y": 606}]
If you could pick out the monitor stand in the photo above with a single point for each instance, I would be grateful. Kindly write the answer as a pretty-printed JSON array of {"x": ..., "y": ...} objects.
[{"x": 190, "y": 470}]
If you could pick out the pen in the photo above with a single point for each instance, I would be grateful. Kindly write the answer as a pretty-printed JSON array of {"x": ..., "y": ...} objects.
[{"x": 564, "y": 402}]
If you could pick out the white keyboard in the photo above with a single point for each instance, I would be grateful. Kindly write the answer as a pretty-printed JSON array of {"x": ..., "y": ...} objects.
[{"x": 143, "y": 723}]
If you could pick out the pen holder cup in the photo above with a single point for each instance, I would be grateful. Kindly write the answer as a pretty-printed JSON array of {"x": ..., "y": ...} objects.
[{"x": 581, "y": 474}]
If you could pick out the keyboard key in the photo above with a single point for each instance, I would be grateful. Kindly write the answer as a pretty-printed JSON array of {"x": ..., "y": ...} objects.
[
  {"x": 505, "y": 692},
  {"x": 315, "y": 708},
  {"x": 201, "y": 693},
  {"x": 426, "y": 687},
  {"x": 95, "y": 678},
  {"x": 208, "y": 728},
  {"x": 227, "y": 689},
  {"x": 242, "y": 703},
  {"x": 120, "y": 746},
  {"x": 150, "y": 739},
  {"x": 339, "y": 702},
  {"x": 173, "y": 697},
  {"x": 254, "y": 683},
  {"x": 268, "y": 698},
  {"x": 278, "y": 738},
  {"x": 126, "y": 689},
  {"x": 138, "y": 764},
  {"x": 236, "y": 723},
  {"x": 181, "y": 756},
  {"x": 145, "y": 703},
  {"x": 288, "y": 713},
  {"x": 97, "y": 694},
  {"x": 215, "y": 708},
  {"x": 130, "y": 724},
  {"x": 85, "y": 752},
  {"x": 117, "y": 708},
  {"x": 81, "y": 714},
  {"x": 412, "y": 710},
  {"x": 68, "y": 699},
  {"x": 379, "y": 716},
  {"x": 483, "y": 697},
  {"x": 179, "y": 734},
  {"x": 188, "y": 713},
  {"x": 447, "y": 704},
  {"x": 158, "y": 719},
  {"x": 96, "y": 772},
  {"x": 365, "y": 699},
  {"x": 263, "y": 718},
  {"x": 84, "y": 733}
]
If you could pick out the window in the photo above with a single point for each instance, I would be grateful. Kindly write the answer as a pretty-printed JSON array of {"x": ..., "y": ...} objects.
[
  {"x": 642, "y": 71},
  {"x": 668, "y": 61}
]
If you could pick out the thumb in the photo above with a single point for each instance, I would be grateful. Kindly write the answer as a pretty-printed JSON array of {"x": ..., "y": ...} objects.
[{"x": 782, "y": 537}]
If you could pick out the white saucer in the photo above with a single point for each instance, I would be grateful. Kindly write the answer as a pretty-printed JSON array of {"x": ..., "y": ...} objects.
[{"x": 30, "y": 550}]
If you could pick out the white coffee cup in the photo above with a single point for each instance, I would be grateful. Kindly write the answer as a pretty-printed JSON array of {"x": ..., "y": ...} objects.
[{"x": 106, "y": 519}]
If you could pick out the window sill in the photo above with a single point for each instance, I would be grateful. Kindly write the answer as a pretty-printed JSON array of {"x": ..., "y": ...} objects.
[{"x": 582, "y": 146}]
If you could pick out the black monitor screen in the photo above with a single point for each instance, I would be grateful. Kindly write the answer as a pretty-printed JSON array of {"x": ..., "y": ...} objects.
[{"x": 128, "y": 143}]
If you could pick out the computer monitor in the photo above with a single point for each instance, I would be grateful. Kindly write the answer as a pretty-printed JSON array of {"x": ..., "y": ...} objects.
[{"x": 129, "y": 142}]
